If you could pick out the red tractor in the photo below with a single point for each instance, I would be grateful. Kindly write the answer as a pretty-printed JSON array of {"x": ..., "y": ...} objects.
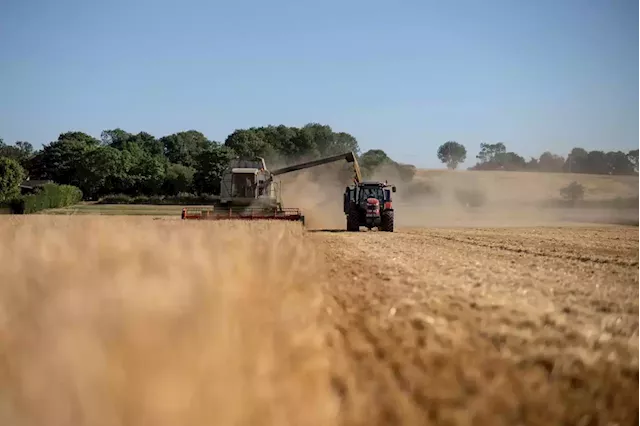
[{"x": 369, "y": 204}]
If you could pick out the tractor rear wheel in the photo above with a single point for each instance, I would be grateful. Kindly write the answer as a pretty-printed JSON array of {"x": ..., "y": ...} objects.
[
  {"x": 353, "y": 221},
  {"x": 386, "y": 221}
]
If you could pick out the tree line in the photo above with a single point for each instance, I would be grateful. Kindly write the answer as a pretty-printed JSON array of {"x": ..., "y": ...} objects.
[
  {"x": 133, "y": 164},
  {"x": 120, "y": 162},
  {"x": 496, "y": 157}
]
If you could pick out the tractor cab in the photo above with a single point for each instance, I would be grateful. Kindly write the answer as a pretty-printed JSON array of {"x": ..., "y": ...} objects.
[
  {"x": 368, "y": 192},
  {"x": 375, "y": 190},
  {"x": 369, "y": 204},
  {"x": 365, "y": 190}
]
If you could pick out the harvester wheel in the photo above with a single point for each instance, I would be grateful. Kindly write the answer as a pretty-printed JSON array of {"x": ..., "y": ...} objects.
[
  {"x": 353, "y": 222},
  {"x": 386, "y": 221}
]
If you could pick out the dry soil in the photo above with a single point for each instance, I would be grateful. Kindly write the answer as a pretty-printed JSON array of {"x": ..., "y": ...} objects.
[{"x": 485, "y": 326}]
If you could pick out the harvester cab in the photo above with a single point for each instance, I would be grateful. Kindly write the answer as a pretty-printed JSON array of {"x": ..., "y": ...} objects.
[
  {"x": 369, "y": 204},
  {"x": 248, "y": 183}
]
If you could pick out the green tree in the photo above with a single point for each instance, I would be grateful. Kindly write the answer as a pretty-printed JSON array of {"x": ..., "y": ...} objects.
[
  {"x": 21, "y": 152},
  {"x": 619, "y": 163},
  {"x": 115, "y": 138},
  {"x": 372, "y": 159},
  {"x": 452, "y": 154},
  {"x": 576, "y": 161},
  {"x": 149, "y": 144},
  {"x": 376, "y": 158},
  {"x": 61, "y": 160},
  {"x": 406, "y": 171},
  {"x": 148, "y": 173},
  {"x": 490, "y": 152},
  {"x": 184, "y": 147},
  {"x": 11, "y": 176},
  {"x": 248, "y": 144},
  {"x": 9, "y": 151},
  {"x": 492, "y": 157},
  {"x": 344, "y": 142},
  {"x": 79, "y": 137},
  {"x": 303, "y": 146},
  {"x": 510, "y": 161},
  {"x": 102, "y": 171},
  {"x": 179, "y": 178},
  {"x": 596, "y": 163},
  {"x": 283, "y": 144},
  {"x": 143, "y": 160},
  {"x": 210, "y": 165},
  {"x": 319, "y": 140},
  {"x": 633, "y": 159},
  {"x": 279, "y": 138},
  {"x": 532, "y": 164},
  {"x": 325, "y": 142},
  {"x": 549, "y": 162},
  {"x": 122, "y": 140},
  {"x": 25, "y": 148}
]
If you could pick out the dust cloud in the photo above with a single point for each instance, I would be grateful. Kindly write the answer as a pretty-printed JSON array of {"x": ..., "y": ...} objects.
[
  {"x": 318, "y": 192},
  {"x": 442, "y": 198}
]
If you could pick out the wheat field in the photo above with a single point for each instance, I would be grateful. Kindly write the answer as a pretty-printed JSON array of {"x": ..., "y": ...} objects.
[{"x": 118, "y": 321}]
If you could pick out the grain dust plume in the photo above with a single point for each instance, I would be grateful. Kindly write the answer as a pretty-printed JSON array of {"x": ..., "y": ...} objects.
[
  {"x": 442, "y": 198},
  {"x": 318, "y": 192}
]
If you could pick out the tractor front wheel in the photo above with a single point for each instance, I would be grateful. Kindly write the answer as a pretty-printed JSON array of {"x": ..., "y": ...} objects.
[
  {"x": 386, "y": 221},
  {"x": 353, "y": 222}
]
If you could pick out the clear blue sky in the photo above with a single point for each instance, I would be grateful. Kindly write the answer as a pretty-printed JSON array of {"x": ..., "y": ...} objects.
[{"x": 403, "y": 76}]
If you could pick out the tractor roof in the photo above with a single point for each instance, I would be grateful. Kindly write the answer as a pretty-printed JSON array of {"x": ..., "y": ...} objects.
[{"x": 372, "y": 183}]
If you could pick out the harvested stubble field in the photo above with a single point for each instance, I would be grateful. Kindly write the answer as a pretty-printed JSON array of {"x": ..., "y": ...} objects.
[{"x": 133, "y": 321}]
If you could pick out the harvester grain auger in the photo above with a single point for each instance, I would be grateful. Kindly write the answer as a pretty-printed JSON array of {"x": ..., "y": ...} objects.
[{"x": 248, "y": 191}]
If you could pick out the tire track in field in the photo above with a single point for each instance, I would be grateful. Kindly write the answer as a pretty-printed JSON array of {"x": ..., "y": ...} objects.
[{"x": 553, "y": 253}]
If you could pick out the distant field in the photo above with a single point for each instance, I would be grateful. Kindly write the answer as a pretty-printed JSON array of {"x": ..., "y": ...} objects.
[{"x": 533, "y": 186}]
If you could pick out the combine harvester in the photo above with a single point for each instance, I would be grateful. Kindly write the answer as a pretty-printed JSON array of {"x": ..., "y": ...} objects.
[{"x": 248, "y": 191}]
